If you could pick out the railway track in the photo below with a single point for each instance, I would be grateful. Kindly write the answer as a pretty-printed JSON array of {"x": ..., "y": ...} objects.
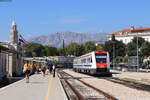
[
  {"x": 128, "y": 83},
  {"x": 77, "y": 89}
]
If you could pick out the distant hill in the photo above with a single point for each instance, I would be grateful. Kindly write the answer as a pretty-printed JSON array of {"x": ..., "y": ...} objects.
[{"x": 56, "y": 39}]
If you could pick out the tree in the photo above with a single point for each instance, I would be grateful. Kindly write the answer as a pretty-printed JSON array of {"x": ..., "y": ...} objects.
[
  {"x": 119, "y": 59},
  {"x": 145, "y": 49},
  {"x": 50, "y": 51},
  {"x": 113, "y": 38},
  {"x": 146, "y": 64},
  {"x": 100, "y": 47},
  {"x": 89, "y": 46},
  {"x": 132, "y": 46},
  {"x": 131, "y": 49},
  {"x": 34, "y": 50},
  {"x": 61, "y": 52},
  {"x": 119, "y": 48},
  {"x": 73, "y": 49},
  {"x": 108, "y": 46},
  {"x": 140, "y": 41}
]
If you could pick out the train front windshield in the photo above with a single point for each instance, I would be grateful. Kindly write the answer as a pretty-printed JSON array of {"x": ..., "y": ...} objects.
[{"x": 101, "y": 57}]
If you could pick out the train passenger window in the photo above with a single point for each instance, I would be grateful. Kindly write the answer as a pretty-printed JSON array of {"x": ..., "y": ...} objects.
[
  {"x": 75, "y": 62},
  {"x": 89, "y": 60},
  {"x": 83, "y": 61},
  {"x": 78, "y": 62}
]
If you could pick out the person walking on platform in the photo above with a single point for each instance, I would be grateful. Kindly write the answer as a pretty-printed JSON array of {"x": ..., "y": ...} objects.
[
  {"x": 50, "y": 68},
  {"x": 43, "y": 70},
  {"x": 54, "y": 68},
  {"x": 26, "y": 70},
  {"x": 33, "y": 67}
]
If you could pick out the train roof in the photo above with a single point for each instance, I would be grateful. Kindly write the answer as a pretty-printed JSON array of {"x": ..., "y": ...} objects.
[{"x": 88, "y": 54}]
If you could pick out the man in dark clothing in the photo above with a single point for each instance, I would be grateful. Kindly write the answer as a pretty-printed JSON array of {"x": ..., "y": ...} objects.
[
  {"x": 54, "y": 68},
  {"x": 43, "y": 70},
  {"x": 50, "y": 68}
]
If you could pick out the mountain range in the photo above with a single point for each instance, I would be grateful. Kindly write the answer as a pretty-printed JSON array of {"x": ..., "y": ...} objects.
[{"x": 56, "y": 39}]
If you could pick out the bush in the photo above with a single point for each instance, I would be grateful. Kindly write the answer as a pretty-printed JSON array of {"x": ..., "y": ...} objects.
[{"x": 146, "y": 64}]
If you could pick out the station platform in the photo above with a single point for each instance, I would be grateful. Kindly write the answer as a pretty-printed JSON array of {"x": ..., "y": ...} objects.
[
  {"x": 39, "y": 88},
  {"x": 141, "y": 77}
]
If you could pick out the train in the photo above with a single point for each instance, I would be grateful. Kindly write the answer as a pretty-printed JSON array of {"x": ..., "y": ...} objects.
[{"x": 95, "y": 62}]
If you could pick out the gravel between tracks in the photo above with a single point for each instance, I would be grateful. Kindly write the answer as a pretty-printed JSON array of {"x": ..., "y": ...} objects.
[{"x": 119, "y": 91}]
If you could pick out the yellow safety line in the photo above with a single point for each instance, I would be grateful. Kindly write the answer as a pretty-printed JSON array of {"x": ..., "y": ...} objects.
[{"x": 49, "y": 87}]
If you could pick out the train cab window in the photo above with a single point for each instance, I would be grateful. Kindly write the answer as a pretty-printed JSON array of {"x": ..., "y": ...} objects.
[
  {"x": 101, "y": 60},
  {"x": 101, "y": 57}
]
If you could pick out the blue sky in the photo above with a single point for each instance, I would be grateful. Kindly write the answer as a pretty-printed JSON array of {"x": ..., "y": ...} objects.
[{"x": 41, "y": 17}]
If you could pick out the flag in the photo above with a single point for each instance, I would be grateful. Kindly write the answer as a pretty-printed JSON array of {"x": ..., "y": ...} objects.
[{"x": 22, "y": 40}]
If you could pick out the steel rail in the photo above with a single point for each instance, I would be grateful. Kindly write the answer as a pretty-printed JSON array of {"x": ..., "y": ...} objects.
[{"x": 108, "y": 96}]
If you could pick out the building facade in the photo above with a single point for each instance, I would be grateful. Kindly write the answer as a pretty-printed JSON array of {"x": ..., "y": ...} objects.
[
  {"x": 3, "y": 62},
  {"x": 126, "y": 35},
  {"x": 10, "y": 55}
]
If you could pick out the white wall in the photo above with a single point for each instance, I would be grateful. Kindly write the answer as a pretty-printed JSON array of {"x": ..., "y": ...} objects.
[{"x": 128, "y": 38}]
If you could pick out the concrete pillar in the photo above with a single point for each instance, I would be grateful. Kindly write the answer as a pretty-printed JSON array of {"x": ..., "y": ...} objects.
[{"x": 10, "y": 71}]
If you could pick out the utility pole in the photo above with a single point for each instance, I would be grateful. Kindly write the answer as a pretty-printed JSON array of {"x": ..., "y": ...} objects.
[
  {"x": 137, "y": 53},
  {"x": 113, "y": 41},
  {"x": 63, "y": 40},
  {"x": 63, "y": 43},
  {"x": 113, "y": 54}
]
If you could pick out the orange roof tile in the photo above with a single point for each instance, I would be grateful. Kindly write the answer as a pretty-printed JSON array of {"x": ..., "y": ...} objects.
[{"x": 122, "y": 32}]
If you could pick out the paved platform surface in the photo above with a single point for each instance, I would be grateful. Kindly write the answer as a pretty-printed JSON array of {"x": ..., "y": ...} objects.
[{"x": 39, "y": 88}]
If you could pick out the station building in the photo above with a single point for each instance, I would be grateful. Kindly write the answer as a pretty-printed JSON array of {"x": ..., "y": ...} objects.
[
  {"x": 126, "y": 35},
  {"x": 10, "y": 54}
]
